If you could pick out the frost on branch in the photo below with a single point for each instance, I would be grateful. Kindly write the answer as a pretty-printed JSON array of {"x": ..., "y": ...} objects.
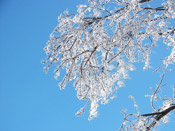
[
  {"x": 98, "y": 46},
  {"x": 150, "y": 121}
]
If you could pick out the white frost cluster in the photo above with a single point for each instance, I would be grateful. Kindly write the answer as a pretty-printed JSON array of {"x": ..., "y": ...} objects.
[{"x": 170, "y": 8}]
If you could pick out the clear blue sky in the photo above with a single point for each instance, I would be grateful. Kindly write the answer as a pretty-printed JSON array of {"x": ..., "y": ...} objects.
[{"x": 30, "y": 100}]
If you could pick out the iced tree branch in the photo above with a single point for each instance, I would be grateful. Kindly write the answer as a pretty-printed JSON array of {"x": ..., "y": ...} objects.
[
  {"x": 99, "y": 45},
  {"x": 156, "y": 91},
  {"x": 158, "y": 116}
]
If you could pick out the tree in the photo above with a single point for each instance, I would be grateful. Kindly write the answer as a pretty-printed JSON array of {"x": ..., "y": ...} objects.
[{"x": 100, "y": 44}]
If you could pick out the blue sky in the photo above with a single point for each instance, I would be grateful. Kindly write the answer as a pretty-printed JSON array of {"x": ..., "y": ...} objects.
[{"x": 30, "y": 100}]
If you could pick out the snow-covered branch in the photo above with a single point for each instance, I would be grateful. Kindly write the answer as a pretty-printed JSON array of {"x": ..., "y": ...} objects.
[{"x": 98, "y": 46}]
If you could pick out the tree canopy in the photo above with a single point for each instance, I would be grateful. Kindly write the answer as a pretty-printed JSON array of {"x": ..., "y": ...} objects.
[{"x": 99, "y": 45}]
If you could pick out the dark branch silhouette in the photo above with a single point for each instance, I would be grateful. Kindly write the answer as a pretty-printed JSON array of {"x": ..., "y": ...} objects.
[
  {"x": 143, "y": 1},
  {"x": 158, "y": 115}
]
